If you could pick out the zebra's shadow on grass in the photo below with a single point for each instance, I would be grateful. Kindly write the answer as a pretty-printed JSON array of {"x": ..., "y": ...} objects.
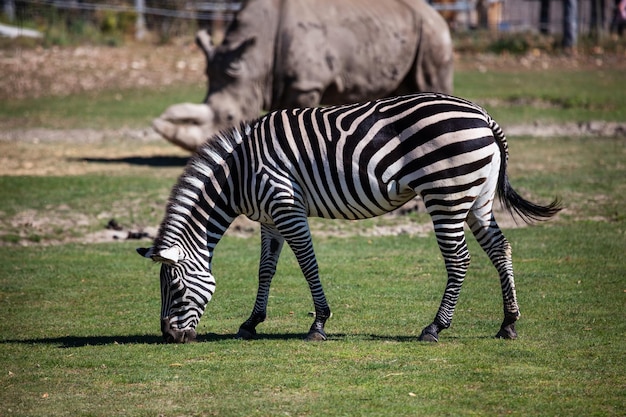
[
  {"x": 148, "y": 339},
  {"x": 66, "y": 342},
  {"x": 82, "y": 341},
  {"x": 152, "y": 161}
]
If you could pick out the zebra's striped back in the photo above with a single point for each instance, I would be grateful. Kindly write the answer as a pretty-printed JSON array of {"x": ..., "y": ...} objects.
[{"x": 367, "y": 159}]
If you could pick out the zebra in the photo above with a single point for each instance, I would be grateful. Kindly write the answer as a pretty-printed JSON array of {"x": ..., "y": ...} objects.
[{"x": 353, "y": 161}]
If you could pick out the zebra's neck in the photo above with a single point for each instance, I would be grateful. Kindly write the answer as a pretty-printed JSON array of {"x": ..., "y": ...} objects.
[{"x": 199, "y": 210}]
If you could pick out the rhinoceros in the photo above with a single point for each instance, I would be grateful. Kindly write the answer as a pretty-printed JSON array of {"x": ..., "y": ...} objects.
[{"x": 302, "y": 53}]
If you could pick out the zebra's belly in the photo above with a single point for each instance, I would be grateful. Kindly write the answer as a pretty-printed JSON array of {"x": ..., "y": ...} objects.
[{"x": 363, "y": 206}]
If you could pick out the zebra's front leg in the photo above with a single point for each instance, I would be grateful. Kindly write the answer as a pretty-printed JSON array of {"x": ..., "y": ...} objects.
[
  {"x": 271, "y": 246},
  {"x": 308, "y": 264},
  {"x": 296, "y": 232},
  {"x": 316, "y": 332},
  {"x": 457, "y": 259}
]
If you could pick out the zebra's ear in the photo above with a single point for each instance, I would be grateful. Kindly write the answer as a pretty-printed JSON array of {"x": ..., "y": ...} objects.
[
  {"x": 170, "y": 255},
  {"x": 173, "y": 254},
  {"x": 146, "y": 252}
]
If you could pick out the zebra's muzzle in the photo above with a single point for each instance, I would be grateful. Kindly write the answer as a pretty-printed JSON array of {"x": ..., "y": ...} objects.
[{"x": 171, "y": 335}]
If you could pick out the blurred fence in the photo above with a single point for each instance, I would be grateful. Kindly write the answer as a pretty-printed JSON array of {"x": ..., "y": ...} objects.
[
  {"x": 174, "y": 17},
  {"x": 167, "y": 18},
  {"x": 541, "y": 16}
]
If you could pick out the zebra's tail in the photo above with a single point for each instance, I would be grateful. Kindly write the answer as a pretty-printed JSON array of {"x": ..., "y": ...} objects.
[{"x": 510, "y": 199}]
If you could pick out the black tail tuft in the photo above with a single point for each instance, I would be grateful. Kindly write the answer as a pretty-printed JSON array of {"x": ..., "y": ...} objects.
[
  {"x": 529, "y": 212},
  {"x": 513, "y": 202}
]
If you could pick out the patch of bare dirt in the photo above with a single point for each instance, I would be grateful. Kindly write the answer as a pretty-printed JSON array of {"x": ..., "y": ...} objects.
[
  {"x": 60, "y": 225},
  {"x": 537, "y": 60},
  {"x": 33, "y": 73}
]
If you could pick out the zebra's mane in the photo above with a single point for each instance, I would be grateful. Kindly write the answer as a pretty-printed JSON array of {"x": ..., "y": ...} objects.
[
  {"x": 205, "y": 165},
  {"x": 216, "y": 150}
]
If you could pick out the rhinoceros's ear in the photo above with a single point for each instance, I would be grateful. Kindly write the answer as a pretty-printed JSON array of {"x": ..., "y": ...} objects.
[
  {"x": 243, "y": 46},
  {"x": 146, "y": 252},
  {"x": 204, "y": 41}
]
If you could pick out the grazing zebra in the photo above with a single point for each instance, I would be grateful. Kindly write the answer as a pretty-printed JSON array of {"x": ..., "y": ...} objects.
[{"x": 345, "y": 162}]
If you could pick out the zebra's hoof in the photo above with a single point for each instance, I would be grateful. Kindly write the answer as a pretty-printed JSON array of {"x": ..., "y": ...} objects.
[
  {"x": 507, "y": 332},
  {"x": 245, "y": 334},
  {"x": 427, "y": 337},
  {"x": 315, "y": 336},
  {"x": 429, "y": 334}
]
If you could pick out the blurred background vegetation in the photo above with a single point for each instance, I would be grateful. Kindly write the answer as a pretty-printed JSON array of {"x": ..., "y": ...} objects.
[{"x": 497, "y": 26}]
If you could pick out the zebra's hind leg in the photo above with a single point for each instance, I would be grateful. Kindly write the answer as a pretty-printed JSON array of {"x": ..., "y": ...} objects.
[
  {"x": 451, "y": 240},
  {"x": 271, "y": 246},
  {"x": 493, "y": 242}
]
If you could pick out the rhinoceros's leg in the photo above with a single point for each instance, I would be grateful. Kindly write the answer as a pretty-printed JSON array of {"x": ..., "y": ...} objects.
[{"x": 271, "y": 246}]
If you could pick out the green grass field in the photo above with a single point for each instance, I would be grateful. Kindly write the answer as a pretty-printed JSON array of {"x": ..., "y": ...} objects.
[
  {"x": 516, "y": 97},
  {"x": 512, "y": 97},
  {"x": 80, "y": 336}
]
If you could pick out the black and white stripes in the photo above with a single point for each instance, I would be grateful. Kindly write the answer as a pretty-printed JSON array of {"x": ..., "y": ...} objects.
[{"x": 345, "y": 162}]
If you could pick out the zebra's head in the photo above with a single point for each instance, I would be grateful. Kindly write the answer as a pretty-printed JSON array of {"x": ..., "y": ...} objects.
[{"x": 186, "y": 288}]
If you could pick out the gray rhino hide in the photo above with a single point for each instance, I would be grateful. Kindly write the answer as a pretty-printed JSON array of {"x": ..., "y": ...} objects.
[{"x": 302, "y": 53}]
